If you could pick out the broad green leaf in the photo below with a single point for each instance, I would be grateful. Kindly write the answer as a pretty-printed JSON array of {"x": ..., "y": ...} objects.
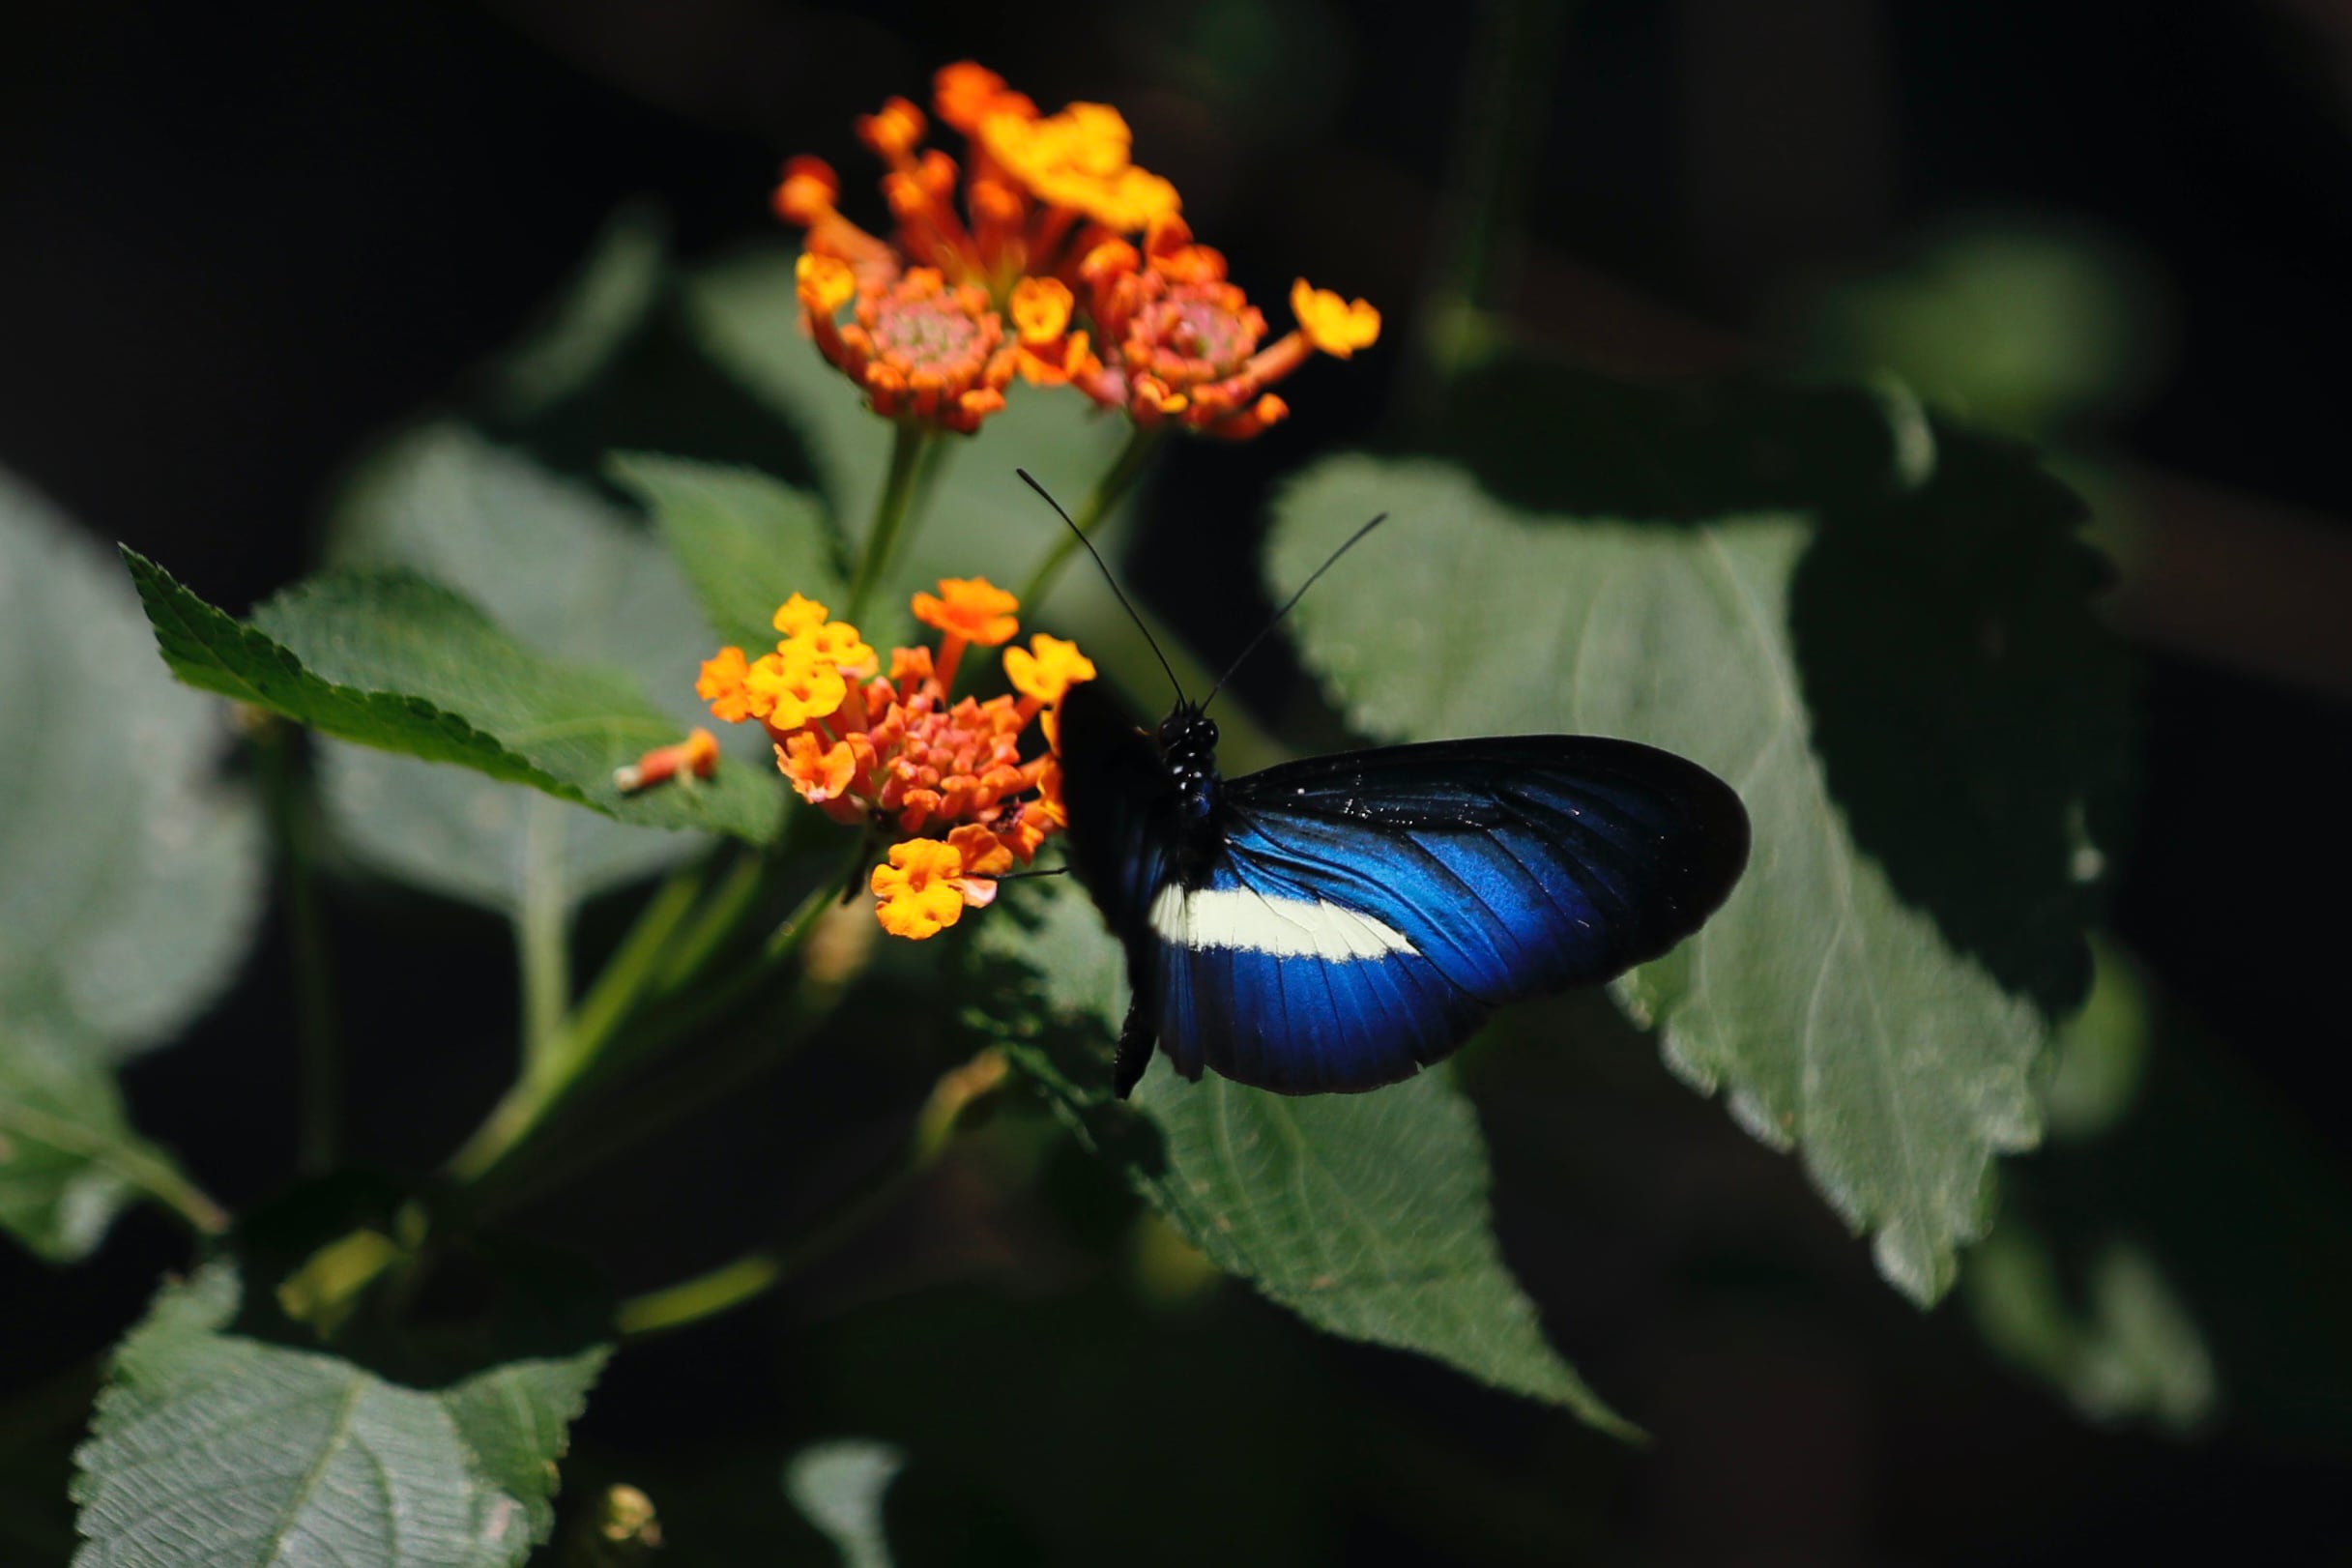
[
  {"x": 1838, "y": 1014},
  {"x": 396, "y": 661},
  {"x": 130, "y": 877},
  {"x": 839, "y": 1486},
  {"x": 747, "y": 542},
  {"x": 569, "y": 575},
  {"x": 1366, "y": 1214},
  {"x": 213, "y": 1447}
]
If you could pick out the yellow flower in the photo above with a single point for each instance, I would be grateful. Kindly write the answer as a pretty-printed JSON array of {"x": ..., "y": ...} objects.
[
  {"x": 788, "y": 689},
  {"x": 971, "y": 608},
  {"x": 1079, "y": 159},
  {"x": 1338, "y": 327},
  {"x": 1047, "y": 668},
  {"x": 917, "y": 892}
]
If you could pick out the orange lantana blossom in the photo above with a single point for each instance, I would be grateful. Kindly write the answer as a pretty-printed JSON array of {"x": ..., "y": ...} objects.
[
  {"x": 1036, "y": 272},
  {"x": 900, "y": 754},
  {"x": 964, "y": 296},
  {"x": 1181, "y": 342}
]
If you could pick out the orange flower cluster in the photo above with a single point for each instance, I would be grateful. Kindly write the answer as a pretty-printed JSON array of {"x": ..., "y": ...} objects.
[
  {"x": 1033, "y": 274},
  {"x": 900, "y": 753}
]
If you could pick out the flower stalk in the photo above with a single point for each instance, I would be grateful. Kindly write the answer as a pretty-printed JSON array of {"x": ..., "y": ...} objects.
[
  {"x": 1144, "y": 443},
  {"x": 909, "y": 440}
]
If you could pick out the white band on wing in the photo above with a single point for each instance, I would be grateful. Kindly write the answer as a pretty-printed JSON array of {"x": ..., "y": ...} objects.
[{"x": 1241, "y": 918}]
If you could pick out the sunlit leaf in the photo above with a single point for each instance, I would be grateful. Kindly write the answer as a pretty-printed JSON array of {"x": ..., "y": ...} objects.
[
  {"x": 1839, "y": 1015},
  {"x": 396, "y": 661},
  {"x": 214, "y": 1447},
  {"x": 130, "y": 875},
  {"x": 1366, "y": 1214}
]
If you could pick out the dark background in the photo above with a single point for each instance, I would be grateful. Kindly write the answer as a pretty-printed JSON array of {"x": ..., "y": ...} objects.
[{"x": 242, "y": 241}]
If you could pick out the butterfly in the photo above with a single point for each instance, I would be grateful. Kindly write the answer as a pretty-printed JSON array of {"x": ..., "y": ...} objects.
[{"x": 1338, "y": 923}]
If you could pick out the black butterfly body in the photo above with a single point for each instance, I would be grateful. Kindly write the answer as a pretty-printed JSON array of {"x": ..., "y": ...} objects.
[{"x": 1337, "y": 923}]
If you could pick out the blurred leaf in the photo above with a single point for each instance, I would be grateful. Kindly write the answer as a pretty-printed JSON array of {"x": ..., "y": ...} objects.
[
  {"x": 2100, "y": 1054},
  {"x": 396, "y": 661},
  {"x": 130, "y": 877},
  {"x": 1366, "y": 1214},
  {"x": 1840, "y": 1016},
  {"x": 213, "y": 1447},
  {"x": 589, "y": 322},
  {"x": 2020, "y": 328},
  {"x": 571, "y": 576},
  {"x": 747, "y": 542},
  {"x": 839, "y": 1486},
  {"x": 68, "y": 1160},
  {"x": 2132, "y": 1352}
]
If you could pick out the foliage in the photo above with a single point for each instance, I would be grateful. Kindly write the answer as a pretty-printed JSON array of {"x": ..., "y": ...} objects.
[{"x": 1874, "y": 622}]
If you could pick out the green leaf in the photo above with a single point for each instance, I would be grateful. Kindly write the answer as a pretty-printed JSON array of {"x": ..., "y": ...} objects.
[
  {"x": 2133, "y": 1350},
  {"x": 839, "y": 1486},
  {"x": 68, "y": 1159},
  {"x": 747, "y": 542},
  {"x": 1839, "y": 1013},
  {"x": 398, "y": 662},
  {"x": 1366, "y": 1214},
  {"x": 213, "y": 1447},
  {"x": 568, "y": 574},
  {"x": 130, "y": 877}
]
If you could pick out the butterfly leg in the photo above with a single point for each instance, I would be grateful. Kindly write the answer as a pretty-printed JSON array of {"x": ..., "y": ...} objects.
[{"x": 1136, "y": 1039}]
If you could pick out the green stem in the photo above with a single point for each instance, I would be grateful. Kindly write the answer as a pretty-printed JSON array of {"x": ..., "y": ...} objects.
[
  {"x": 908, "y": 441},
  {"x": 1142, "y": 441},
  {"x": 705, "y": 1295},
  {"x": 732, "y": 1284},
  {"x": 542, "y": 932},
  {"x": 319, "y": 1070},
  {"x": 716, "y": 920},
  {"x": 1506, "y": 88},
  {"x": 643, "y": 953},
  {"x": 162, "y": 1182},
  {"x": 632, "y": 1037}
]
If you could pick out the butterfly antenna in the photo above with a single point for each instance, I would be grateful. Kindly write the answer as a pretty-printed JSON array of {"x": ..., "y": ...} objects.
[
  {"x": 1329, "y": 562},
  {"x": 1104, "y": 568}
]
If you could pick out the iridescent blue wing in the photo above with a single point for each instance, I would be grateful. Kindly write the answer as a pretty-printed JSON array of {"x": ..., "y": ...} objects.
[
  {"x": 1368, "y": 910},
  {"x": 1339, "y": 922}
]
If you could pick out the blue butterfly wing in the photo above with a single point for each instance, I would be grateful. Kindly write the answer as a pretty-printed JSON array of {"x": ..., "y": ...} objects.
[
  {"x": 1369, "y": 909},
  {"x": 1342, "y": 921}
]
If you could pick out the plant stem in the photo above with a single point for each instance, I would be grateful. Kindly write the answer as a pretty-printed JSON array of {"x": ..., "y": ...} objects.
[
  {"x": 319, "y": 1070},
  {"x": 731, "y": 1285},
  {"x": 542, "y": 932},
  {"x": 1504, "y": 94},
  {"x": 643, "y": 953},
  {"x": 908, "y": 440},
  {"x": 1142, "y": 441},
  {"x": 630, "y": 1037},
  {"x": 162, "y": 1182}
]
